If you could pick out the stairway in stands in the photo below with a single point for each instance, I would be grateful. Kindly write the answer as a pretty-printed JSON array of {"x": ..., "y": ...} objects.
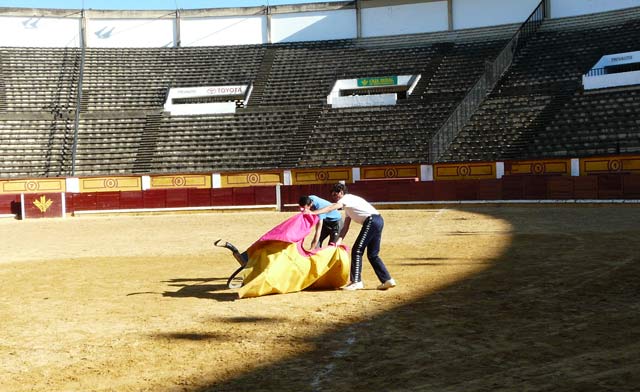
[
  {"x": 301, "y": 137},
  {"x": 148, "y": 142},
  {"x": 561, "y": 94},
  {"x": 3, "y": 94},
  {"x": 441, "y": 50},
  {"x": 259, "y": 84}
]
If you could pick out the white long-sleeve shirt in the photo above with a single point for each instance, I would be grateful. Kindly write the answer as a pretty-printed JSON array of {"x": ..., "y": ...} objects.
[{"x": 357, "y": 208}]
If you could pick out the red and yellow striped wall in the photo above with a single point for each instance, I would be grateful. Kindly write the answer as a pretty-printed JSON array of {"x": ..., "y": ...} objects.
[{"x": 441, "y": 172}]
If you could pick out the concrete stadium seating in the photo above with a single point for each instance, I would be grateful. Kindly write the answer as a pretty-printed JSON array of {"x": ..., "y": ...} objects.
[{"x": 537, "y": 110}]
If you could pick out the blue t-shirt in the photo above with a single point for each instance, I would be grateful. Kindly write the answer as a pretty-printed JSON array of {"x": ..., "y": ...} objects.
[{"x": 319, "y": 203}]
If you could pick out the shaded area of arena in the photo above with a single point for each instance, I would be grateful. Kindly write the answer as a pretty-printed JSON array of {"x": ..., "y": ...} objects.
[{"x": 557, "y": 311}]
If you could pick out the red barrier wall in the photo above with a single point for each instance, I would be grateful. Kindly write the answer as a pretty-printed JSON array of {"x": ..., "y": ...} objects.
[
  {"x": 514, "y": 187},
  {"x": 43, "y": 205},
  {"x": 171, "y": 198},
  {"x": 10, "y": 204}
]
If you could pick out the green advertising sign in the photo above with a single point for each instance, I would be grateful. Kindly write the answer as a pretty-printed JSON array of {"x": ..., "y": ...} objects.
[{"x": 375, "y": 82}]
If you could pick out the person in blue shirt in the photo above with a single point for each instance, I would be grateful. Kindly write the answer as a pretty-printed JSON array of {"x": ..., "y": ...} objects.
[{"x": 329, "y": 224}]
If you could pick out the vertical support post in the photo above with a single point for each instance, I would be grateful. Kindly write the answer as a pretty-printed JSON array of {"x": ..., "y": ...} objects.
[
  {"x": 575, "y": 167},
  {"x": 177, "y": 37},
  {"x": 499, "y": 169},
  {"x": 146, "y": 182},
  {"x": 267, "y": 11},
  {"x": 278, "y": 198},
  {"x": 63, "y": 200},
  {"x": 216, "y": 180},
  {"x": 358, "y": 19},
  {"x": 426, "y": 172},
  {"x": 22, "y": 212},
  {"x": 76, "y": 123},
  {"x": 355, "y": 174}
]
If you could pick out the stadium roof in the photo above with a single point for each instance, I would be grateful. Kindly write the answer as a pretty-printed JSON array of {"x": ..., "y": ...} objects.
[{"x": 146, "y": 4}]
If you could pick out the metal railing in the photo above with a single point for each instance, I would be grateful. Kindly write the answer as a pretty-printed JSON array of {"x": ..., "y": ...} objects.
[
  {"x": 487, "y": 81},
  {"x": 613, "y": 69},
  {"x": 76, "y": 123},
  {"x": 596, "y": 72}
]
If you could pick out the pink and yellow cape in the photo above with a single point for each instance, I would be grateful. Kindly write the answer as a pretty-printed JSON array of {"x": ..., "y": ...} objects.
[{"x": 279, "y": 264}]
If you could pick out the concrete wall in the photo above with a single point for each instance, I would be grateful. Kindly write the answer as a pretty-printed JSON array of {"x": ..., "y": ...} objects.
[
  {"x": 563, "y": 8},
  {"x": 313, "y": 26},
  {"x": 134, "y": 33},
  {"x": 473, "y": 13},
  {"x": 28, "y": 27},
  {"x": 405, "y": 19},
  {"x": 25, "y": 31},
  {"x": 223, "y": 30}
]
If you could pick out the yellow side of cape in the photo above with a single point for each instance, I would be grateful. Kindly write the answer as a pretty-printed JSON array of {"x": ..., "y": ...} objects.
[{"x": 277, "y": 267}]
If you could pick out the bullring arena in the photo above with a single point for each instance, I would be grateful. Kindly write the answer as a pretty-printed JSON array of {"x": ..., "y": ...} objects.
[
  {"x": 499, "y": 139},
  {"x": 490, "y": 298}
]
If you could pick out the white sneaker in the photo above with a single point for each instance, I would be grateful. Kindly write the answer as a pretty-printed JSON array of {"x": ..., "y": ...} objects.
[
  {"x": 387, "y": 285},
  {"x": 354, "y": 286}
]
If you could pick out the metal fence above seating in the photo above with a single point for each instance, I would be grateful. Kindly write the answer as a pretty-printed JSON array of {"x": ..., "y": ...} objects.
[{"x": 492, "y": 73}]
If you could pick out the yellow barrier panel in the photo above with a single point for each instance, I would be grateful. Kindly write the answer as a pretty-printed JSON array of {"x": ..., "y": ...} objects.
[
  {"x": 181, "y": 181},
  {"x": 250, "y": 179},
  {"x": 382, "y": 172},
  {"x": 601, "y": 165},
  {"x": 321, "y": 176},
  {"x": 110, "y": 184},
  {"x": 539, "y": 167},
  {"x": 464, "y": 171},
  {"x": 51, "y": 185}
]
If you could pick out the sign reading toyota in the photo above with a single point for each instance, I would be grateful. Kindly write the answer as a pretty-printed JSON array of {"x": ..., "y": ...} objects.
[{"x": 207, "y": 91}]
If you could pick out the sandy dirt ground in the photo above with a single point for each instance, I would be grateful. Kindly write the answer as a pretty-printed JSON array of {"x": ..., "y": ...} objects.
[{"x": 542, "y": 298}]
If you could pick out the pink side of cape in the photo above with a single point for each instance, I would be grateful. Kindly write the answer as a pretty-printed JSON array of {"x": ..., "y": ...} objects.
[{"x": 293, "y": 230}]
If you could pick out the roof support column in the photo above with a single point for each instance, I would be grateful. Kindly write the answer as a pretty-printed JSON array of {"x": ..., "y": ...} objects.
[
  {"x": 359, "y": 18},
  {"x": 177, "y": 37},
  {"x": 267, "y": 11}
]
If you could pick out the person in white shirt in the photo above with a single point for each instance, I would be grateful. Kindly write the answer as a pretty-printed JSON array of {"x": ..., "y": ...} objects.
[{"x": 359, "y": 210}]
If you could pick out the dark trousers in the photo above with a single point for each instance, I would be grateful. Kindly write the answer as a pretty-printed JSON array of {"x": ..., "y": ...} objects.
[
  {"x": 369, "y": 239},
  {"x": 331, "y": 229}
]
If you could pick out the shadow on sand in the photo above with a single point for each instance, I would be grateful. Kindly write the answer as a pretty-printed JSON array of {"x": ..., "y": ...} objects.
[{"x": 553, "y": 313}]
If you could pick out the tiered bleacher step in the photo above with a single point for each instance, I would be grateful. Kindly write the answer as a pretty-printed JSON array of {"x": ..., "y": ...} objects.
[
  {"x": 108, "y": 143},
  {"x": 607, "y": 122},
  {"x": 367, "y": 136},
  {"x": 138, "y": 79},
  {"x": 538, "y": 110},
  {"x": 39, "y": 79},
  {"x": 34, "y": 145},
  {"x": 247, "y": 140}
]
